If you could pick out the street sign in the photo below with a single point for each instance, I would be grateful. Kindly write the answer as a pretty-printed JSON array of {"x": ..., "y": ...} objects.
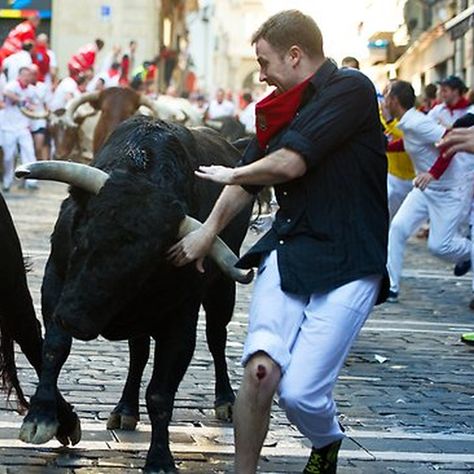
[{"x": 105, "y": 12}]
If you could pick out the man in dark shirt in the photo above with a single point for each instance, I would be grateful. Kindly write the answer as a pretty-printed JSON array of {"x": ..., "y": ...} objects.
[{"x": 322, "y": 265}]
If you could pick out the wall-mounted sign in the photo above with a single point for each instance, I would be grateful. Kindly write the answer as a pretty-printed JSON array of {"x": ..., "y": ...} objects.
[{"x": 105, "y": 12}]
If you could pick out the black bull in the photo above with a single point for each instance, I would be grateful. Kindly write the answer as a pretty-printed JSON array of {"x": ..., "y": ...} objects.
[
  {"x": 15, "y": 305},
  {"x": 107, "y": 275}
]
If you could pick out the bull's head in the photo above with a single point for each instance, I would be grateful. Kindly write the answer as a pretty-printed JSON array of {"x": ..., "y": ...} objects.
[
  {"x": 123, "y": 225},
  {"x": 64, "y": 134}
]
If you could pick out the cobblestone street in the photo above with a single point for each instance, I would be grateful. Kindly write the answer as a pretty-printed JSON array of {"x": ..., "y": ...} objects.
[{"x": 405, "y": 395}]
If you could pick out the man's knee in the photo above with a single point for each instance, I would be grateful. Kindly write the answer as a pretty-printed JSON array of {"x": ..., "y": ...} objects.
[
  {"x": 440, "y": 249},
  {"x": 262, "y": 370},
  {"x": 293, "y": 400}
]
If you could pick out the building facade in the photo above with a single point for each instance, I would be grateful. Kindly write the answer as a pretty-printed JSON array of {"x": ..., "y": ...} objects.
[
  {"x": 220, "y": 43},
  {"x": 440, "y": 42},
  {"x": 116, "y": 22}
]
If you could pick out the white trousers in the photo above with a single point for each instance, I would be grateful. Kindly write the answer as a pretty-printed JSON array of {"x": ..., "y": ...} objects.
[
  {"x": 397, "y": 190},
  {"x": 11, "y": 141},
  {"x": 446, "y": 209},
  {"x": 309, "y": 338}
]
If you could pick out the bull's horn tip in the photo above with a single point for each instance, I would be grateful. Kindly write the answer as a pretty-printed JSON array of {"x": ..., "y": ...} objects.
[{"x": 22, "y": 172}]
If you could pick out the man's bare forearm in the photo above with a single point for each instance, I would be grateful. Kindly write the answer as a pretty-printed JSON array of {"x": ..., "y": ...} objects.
[
  {"x": 231, "y": 201},
  {"x": 278, "y": 167},
  {"x": 12, "y": 96}
]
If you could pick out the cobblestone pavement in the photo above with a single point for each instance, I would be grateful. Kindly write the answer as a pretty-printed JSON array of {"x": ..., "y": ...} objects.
[{"x": 405, "y": 394}]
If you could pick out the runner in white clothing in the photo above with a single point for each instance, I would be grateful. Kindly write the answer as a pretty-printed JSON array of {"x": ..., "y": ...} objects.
[
  {"x": 220, "y": 107},
  {"x": 453, "y": 107},
  {"x": 16, "y": 127},
  {"x": 12, "y": 64},
  {"x": 441, "y": 201},
  {"x": 67, "y": 89},
  {"x": 41, "y": 96}
]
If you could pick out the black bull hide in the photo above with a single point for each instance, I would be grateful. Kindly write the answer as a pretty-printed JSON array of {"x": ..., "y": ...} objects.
[
  {"x": 15, "y": 305},
  {"x": 107, "y": 275}
]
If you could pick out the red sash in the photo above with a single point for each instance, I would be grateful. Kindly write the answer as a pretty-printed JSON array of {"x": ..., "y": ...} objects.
[{"x": 276, "y": 111}]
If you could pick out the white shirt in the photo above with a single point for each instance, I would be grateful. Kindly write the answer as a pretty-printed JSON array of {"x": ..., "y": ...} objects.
[
  {"x": 224, "y": 109},
  {"x": 66, "y": 90},
  {"x": 446, "y": 117},
  {"x": 41, "y": 95},
  {"x": 13, "y": 119},
  {"x": 3, "y": 83},
  {"x": 247, "y": 118},
  {"x": 420, "y": 134},
  {"x": 15, "y": 62},
  {"x": 53, "y": 64},
  {"x": 108, "y": 81}
]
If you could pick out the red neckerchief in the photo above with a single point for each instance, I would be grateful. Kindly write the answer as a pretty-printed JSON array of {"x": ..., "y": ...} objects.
[
  {"x": 462, "y": 103},
  {"x": 22, "y": 84},
  {"x": 275, "y": 111}
]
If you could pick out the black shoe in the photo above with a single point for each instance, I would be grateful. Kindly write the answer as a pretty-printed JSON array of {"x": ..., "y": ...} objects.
[
  {"x": 471, "y": 303},
  {"x": 323, "y": 460},
  {"x": 462, "y": 268},
  {"x": 392, "y": 297}
]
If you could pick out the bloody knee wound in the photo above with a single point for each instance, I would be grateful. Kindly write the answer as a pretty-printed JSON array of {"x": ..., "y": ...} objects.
[{"x": 261, "y": 371}]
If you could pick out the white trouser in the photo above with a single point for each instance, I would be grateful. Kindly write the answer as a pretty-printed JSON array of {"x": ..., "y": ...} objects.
[
  {"x": 309, "y": 337},
  {"x": 397, "y": 190},
  {"x": 11, "y": 140},
  {"x": 446, "y": 209}
]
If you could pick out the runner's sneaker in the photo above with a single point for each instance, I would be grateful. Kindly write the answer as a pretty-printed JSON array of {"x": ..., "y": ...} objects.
[
  {"x": 392, "y": 297},
  {"x": 468, "y": 338},
  {"x": 323, "y": 460}
]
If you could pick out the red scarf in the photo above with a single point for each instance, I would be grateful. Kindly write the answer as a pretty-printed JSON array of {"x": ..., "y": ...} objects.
[
  {"x": 462, "y": 103},
  {"x": 276, "y": 111}
]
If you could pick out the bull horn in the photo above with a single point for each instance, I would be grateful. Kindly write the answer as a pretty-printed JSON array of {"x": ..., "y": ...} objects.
[
  {"x": 42, "y": 114},
  {"x": 220, "y": 253},
  {"x": 184, "y": 119},
  {"x": 83, "y": 176},
  {"x": 151, "y": 104},
  {"x": 214, "y": 124},
  {"x": 74, "y": 104}
]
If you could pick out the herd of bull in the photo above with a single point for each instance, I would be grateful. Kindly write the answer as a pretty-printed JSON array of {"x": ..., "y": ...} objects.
[{"x": 107, "y": 273}]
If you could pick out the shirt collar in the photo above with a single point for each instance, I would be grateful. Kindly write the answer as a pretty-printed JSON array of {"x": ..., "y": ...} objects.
[
  {"x": 319, "y": 80},
  {"x": 406, "y": 116}
]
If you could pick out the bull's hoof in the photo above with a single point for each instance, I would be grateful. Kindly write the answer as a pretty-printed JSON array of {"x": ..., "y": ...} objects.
[
  {"x": 161, "y": 470},
  {"x": 223, "y": 411},
  {"x": 119, "y": 421},
  {"x": 36, "y": 432},
  {"x": 72, "y": 433}
]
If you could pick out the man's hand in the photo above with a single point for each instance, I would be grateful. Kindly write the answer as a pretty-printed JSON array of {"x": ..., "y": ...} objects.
[
  {"x": 423, "y": 180},
  {"x": 458, "y": 139},
  {"x": 218, "y": 174},
  {"x": 195, "y": 246}
]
